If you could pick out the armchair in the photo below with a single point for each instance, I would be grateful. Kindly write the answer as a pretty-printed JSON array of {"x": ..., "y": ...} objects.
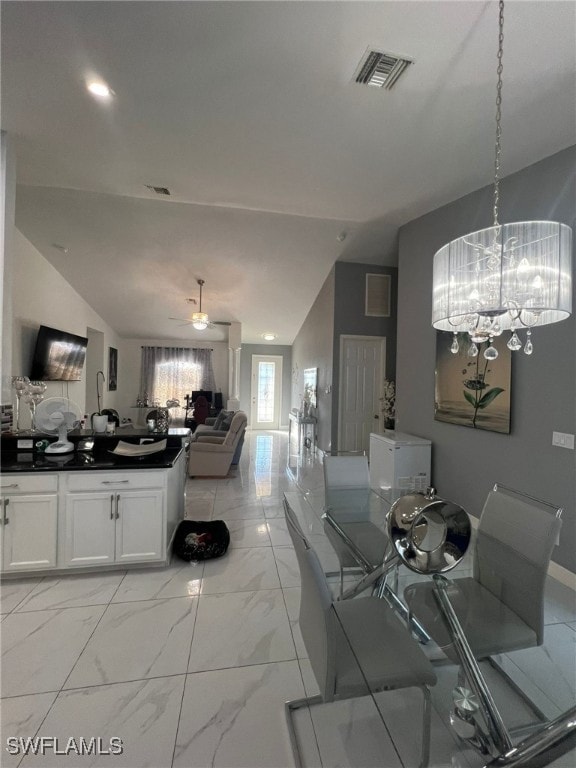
[{"x": 212, "y": 456}]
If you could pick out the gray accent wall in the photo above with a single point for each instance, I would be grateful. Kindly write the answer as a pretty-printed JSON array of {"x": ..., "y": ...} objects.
[
  {"x": 246, "y": 375},
  {"x": 339, "y": 309},
  {"x": 467, "y": 462},
  {"x": 350, "y": 319},
  {"x": 312, "y": 348}
]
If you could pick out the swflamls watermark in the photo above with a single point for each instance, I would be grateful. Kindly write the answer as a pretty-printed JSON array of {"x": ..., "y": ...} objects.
[{"x": 43, "y": 745}]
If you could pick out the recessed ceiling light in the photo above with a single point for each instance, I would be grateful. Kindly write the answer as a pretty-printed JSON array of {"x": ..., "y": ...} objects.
[
  {"x": 100, "y": 89},
  {"x": 269, "y": 336}
]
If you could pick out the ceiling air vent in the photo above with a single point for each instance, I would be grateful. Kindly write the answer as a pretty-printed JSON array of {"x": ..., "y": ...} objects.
[
  {"x": 377, "y": 295},
  {"x": 158, "y": 190},
  {"x": 381, "y": 69}
]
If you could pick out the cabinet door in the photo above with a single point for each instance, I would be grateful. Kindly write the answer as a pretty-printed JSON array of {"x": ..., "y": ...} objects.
[
  {"x": 90, "y": 528},
  {"x": 140, "y": 526},
  {"x": 29, "y": 531}
]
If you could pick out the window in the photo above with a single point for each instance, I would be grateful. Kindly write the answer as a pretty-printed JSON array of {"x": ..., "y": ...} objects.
[
  {"x": 170, "y": 373},
  {"x": 266, "y": 372}
]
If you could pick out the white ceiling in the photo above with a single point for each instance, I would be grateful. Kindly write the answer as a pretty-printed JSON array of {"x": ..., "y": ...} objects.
[{"x": 248, "y": 113}]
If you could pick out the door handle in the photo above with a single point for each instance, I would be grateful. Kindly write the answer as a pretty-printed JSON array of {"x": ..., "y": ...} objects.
[
  {"x": 117, "y": 503},
  {"x": 111, "y": 506},
  {"x": 6, "y": 518}
]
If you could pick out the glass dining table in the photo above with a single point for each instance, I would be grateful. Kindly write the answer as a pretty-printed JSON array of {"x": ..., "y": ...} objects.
[
  {"x": 358, "y": 518},
  {"x": 355, "y": 521}
]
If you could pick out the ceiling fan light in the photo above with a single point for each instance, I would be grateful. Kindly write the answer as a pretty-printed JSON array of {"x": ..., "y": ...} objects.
[{"x": 200, "y": 321}]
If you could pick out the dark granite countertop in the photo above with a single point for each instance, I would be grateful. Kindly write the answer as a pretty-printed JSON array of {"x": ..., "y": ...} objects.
[
  {"x": 28, "y": 461},
  {"x": 16, "y": 458}
]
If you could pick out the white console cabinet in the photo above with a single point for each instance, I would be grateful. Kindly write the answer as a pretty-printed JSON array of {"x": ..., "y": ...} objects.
[{"x": 29, "y": 522}]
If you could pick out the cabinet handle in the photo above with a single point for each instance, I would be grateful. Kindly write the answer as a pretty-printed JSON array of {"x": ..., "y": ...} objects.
[
  {"x": 117, "y": 503},
  {"x": 114, "y": 482},
  {"x": 6, "y": 518},
  {"x": 12, "y": 485},
  {"x": 111, "y": 506}
]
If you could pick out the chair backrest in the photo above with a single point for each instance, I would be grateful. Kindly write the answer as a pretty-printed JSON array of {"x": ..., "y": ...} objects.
[
  {"x": 347, "y": 483},
  {"x": 315, "y": 608},
  {"x": 201, "y": 409},
  {"x": 346, "y": 472},
  {"x": 237, "y": 427},
  {"x": 514, "y": 545}
]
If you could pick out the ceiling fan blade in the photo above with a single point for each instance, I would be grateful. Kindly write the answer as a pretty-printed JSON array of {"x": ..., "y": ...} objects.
[
  {"x": 184, "y": 320},
  {"x": 220, "y": 322}
]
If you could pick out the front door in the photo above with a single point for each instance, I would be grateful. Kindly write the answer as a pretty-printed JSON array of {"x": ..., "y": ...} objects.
[
  {"x": 362, "y": 371},
  {"x": 266, "y": 391}
]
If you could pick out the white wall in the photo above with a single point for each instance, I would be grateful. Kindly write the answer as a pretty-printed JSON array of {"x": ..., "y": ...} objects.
[
  {"x": 129, "y": 360},
  {"x": 41, "y": 296},
  {"x": 7, "y": 187}
]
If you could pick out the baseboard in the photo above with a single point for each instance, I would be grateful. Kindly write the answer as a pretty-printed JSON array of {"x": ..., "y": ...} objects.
[{"x": 563, "y": 575}]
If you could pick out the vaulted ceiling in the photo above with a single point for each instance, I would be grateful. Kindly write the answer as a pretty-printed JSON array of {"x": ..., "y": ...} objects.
[{"x": 278, "y": 163}]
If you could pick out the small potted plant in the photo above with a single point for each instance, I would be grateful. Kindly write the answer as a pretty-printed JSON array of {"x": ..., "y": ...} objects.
[{"x": 388, "y": 404}]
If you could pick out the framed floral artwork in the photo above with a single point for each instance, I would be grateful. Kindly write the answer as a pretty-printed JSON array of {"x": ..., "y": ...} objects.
[{"x": 472, "y": 391}]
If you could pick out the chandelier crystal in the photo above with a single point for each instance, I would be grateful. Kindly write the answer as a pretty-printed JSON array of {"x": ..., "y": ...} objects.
[{"x": 507, "y": 277}]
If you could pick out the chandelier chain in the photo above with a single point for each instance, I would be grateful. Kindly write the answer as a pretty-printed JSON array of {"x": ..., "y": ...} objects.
[{"x": 498, "y": 112}]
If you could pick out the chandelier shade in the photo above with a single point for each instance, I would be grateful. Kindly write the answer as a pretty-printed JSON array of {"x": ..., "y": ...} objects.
[{"x": 506, "y": 277}]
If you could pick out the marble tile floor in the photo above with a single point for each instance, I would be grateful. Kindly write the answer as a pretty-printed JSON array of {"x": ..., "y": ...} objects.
[{"x": 189, "y": 666}]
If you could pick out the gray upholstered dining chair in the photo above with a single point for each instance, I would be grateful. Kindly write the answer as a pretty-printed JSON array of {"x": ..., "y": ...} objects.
[
  {"x": 350, "y": 473},
  {"x": 501, "y": 606},
  {"x": 356, "y": 647}
]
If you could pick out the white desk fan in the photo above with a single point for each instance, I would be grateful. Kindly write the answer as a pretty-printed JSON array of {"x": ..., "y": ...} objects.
[{"x": 58, "y": 414}]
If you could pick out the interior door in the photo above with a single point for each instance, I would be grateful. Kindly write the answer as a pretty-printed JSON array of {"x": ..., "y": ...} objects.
[
  {"x": 362, "y": 372},
  {"x": 266, "y": 393}
]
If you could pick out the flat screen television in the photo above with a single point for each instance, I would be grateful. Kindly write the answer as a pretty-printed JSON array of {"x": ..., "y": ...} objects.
[{"x": 58, "y": 356}]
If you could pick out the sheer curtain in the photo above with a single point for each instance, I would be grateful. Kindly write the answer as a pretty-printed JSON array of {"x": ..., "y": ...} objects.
[{"x": 171, "y": 372}]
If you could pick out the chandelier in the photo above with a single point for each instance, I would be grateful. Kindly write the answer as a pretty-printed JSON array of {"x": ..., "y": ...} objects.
[
  {"x": 200, "y": 319},
  {"x": 508, "y": 277}
]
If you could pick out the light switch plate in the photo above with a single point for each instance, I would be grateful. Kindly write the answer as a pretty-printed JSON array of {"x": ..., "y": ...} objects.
[{"x": 563, "y": 440}]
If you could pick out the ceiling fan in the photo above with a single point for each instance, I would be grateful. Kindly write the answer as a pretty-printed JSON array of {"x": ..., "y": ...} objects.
[{"x": 200, "y": 319}]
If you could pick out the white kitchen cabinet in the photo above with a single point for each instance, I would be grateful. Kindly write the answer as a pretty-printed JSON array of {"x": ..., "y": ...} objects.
[
  {"x": 89, "y": 519},
  {"x": 29, "y": 523},
  {"x": 89, "y": 529},
  {"x": 122, "y": 525},
  {"x": 140, "y": 526}
]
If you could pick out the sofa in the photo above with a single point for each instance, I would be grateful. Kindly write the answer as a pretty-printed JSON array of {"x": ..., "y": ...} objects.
[
  {"x": 212, "y": 455},
  {"x": 215, "y": 426}
]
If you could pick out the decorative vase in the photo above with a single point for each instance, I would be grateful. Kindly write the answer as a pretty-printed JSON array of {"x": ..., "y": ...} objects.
[
  {"x": 162, "y": 420},
  {"x": 99, "y": 423}
]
